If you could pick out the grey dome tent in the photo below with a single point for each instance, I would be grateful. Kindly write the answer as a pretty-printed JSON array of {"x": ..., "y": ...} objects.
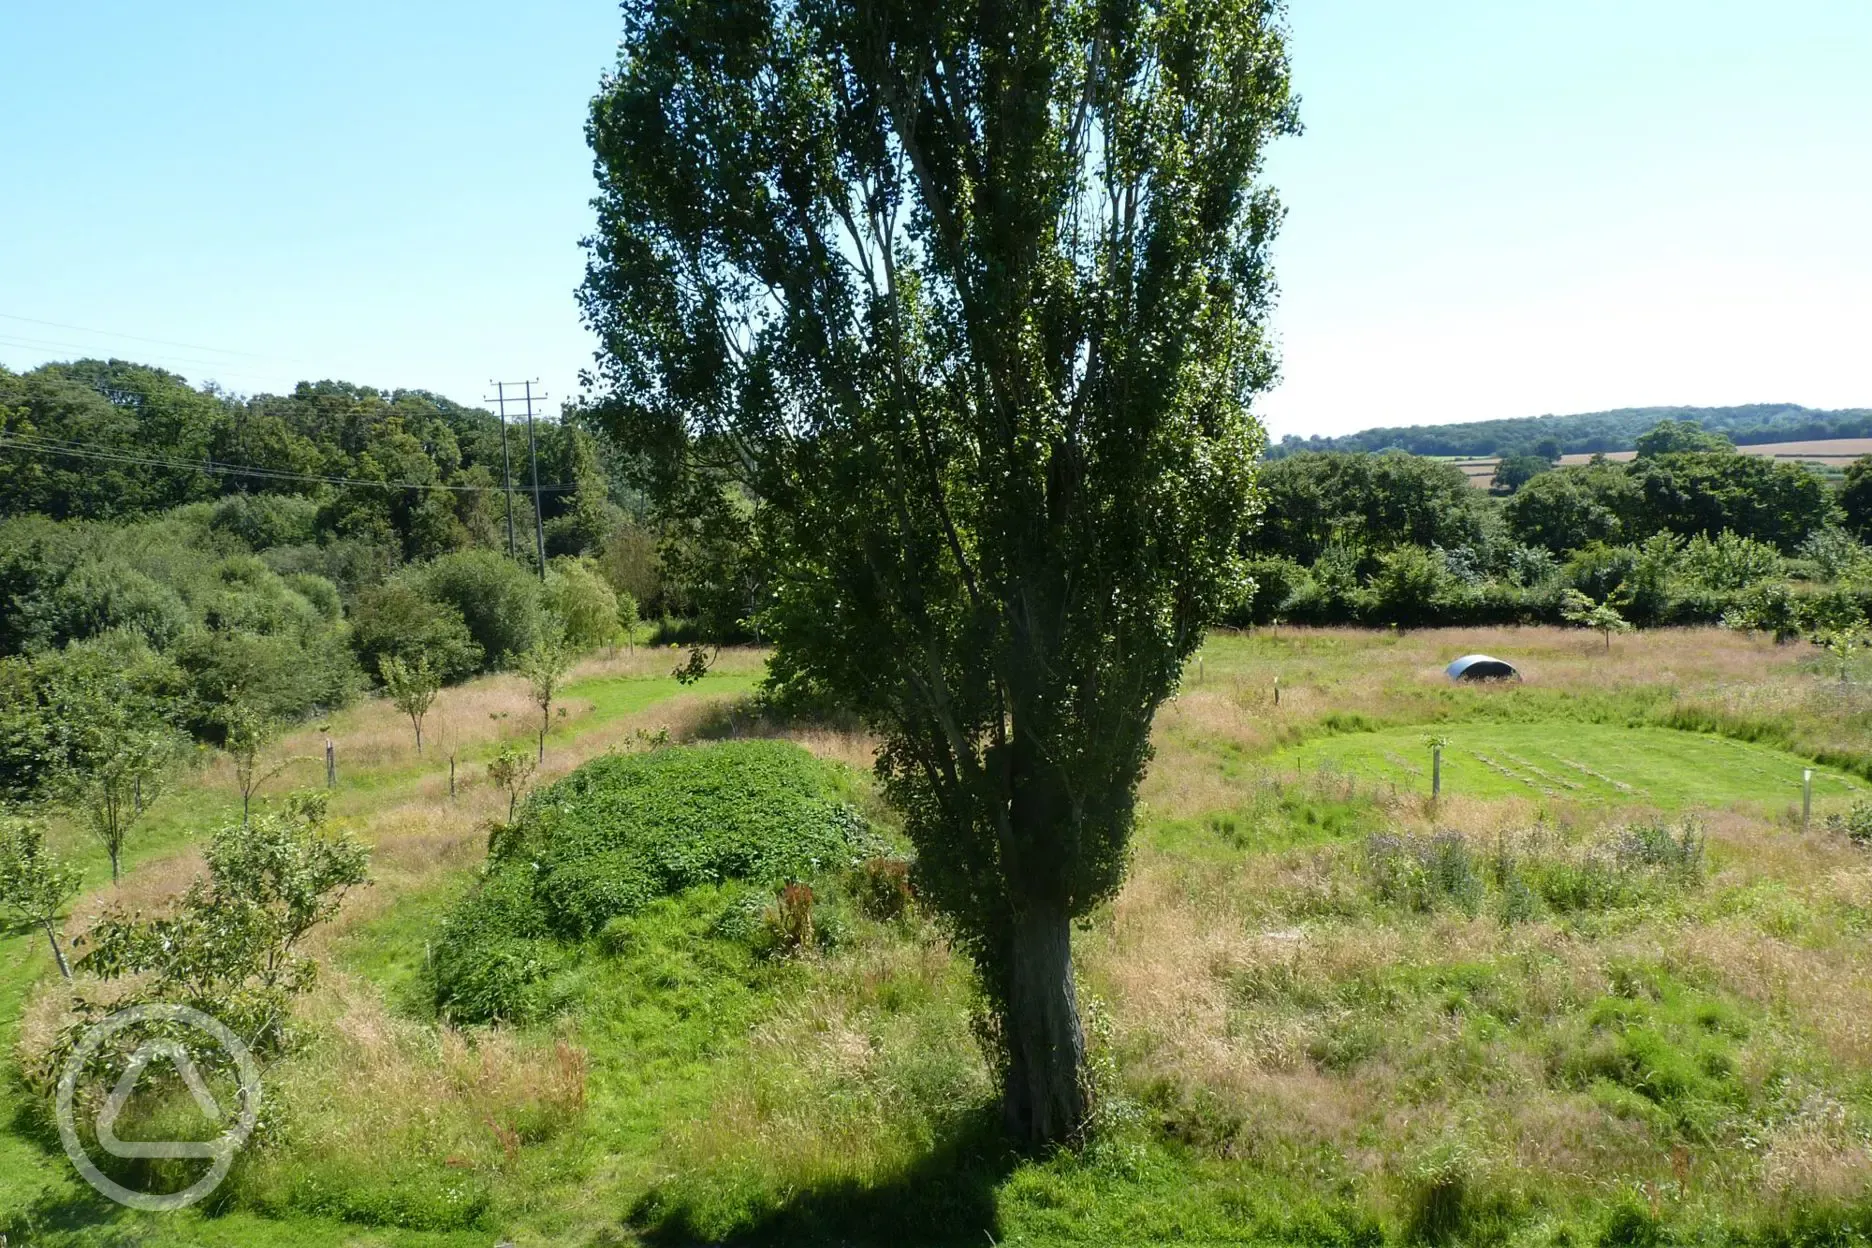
[{"x": 1481, "y": 667}]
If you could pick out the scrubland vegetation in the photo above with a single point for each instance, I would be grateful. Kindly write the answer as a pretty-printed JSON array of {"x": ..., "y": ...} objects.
[{"x": 1321, "y": 1010}]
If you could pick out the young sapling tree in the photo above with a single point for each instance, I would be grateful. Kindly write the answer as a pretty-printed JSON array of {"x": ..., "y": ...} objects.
[
  {"x": 35, "y": 884},
  {"x": 1602, "y": 617},
  {"x": 545, "y": 666},
  {"x": 512, "y": 770},
  {"x": 249, "y": 732},
  {"x": 120, "y": 769},
  {"x": 412, "y": 688}
]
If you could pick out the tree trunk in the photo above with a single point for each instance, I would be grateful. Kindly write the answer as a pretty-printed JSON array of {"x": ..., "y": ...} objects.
[
  {"x": 1043, "y": 1101},
  {"x": 52, "y": 935}
]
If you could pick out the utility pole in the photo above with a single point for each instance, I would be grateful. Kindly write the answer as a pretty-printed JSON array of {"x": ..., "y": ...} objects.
[
  {"x": 500, "y": 397},
  {"x": 539, "y": 525}
]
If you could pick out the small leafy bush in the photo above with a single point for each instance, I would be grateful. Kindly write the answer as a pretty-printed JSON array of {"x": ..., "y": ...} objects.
[
  {"x": 882, "y": 887},
  {"x": 1855, "y": 825},
  {"x": 232, "y": 946}
]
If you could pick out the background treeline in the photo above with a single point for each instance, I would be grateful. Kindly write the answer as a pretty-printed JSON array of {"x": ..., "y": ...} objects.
[
  {"x": 1673, "y": 537},
  {"x": 1588, "y": 433},
  {"x": 191, "y": 559},
  {"x": 191, "y": 552}
]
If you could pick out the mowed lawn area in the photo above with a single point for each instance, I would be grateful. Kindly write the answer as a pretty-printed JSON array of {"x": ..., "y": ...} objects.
[
  {"x": 1607, "y": 990},
  {"x": 1606, "y": 763}
]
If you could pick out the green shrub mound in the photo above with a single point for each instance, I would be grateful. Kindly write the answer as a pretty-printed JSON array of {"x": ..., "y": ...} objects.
[{"x": 621, "y": 832}]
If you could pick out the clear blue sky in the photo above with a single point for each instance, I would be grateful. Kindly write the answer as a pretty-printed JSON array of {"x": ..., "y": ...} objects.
[{"x": 1499, "y": 208}]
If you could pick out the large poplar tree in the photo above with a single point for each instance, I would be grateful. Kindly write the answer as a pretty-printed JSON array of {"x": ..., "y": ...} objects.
[{"x": 952, "y": 313}]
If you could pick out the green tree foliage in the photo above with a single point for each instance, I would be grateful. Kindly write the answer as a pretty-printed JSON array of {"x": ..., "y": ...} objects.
[
  {"x": 1276, "y": 580},
  {"x": 1767, "y": 609},
  {"x": 124, "y": 409},
  {"x": 511, "y": 771},
  {"x": 967, "y": 314},
  {"x": 1515, "y": 471},
  {"x": 398, "y": 621},
  {"x": 497, "y": 599},
  {"x": 35, "y": 884},
  {"x": 1671, "y": 437},
  {"x": 48, "y": 703},
  {"x": 1836, "y": 555},
  {"x": 590, "y": 514},
  {"x": 247, "y": 530},
  {"x": 1370, "y": 501},
  {"x": 1836, "y": 623},
  {"x": 580, "y": 600},
  {"x": 631, "y": 565},
  {"x": 1655, "y": 569},
  {"x": 1842, "y": 642},
  {"x": 1729, "y": 561},
  {"x": 412, "y": 688},
  {"x": 712, "y": 567},
  {"x": 1408, "y": 585},
  {"x": 1855, "y": 496},
  {"x": 1570, "y": 508},
  {"x": 221, "y": 616},
  {"x": 1601, "y": 571},
  {"x": 629, "y": 623},
  {"x": 1754, "y": 497},
  {"x": 263, "y": 521},
  {"x": 112, "y": 754},
  {"x": 408, "y": 473},
  {"x": 231, "y": 945}
]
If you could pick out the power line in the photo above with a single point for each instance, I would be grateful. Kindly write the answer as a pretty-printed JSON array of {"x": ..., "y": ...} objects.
[
  {"x": 105, "y": 333},
  {"x": 80, "y": 450},
  {"x": 229, "y": 369}
]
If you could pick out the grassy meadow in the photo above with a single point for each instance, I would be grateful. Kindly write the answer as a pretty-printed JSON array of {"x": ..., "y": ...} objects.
[{"x": 1606, "y": 990}]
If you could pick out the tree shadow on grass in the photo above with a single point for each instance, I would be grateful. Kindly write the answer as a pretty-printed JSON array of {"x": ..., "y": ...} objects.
[{"x": 946, "y": 1197}]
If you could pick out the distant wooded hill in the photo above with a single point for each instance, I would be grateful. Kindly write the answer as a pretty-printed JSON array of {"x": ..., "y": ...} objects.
[{"x": 1588, "y": 432}]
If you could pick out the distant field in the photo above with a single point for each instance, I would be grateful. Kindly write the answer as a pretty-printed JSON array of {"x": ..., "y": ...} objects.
[{"x": 1825, "y": 453}]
